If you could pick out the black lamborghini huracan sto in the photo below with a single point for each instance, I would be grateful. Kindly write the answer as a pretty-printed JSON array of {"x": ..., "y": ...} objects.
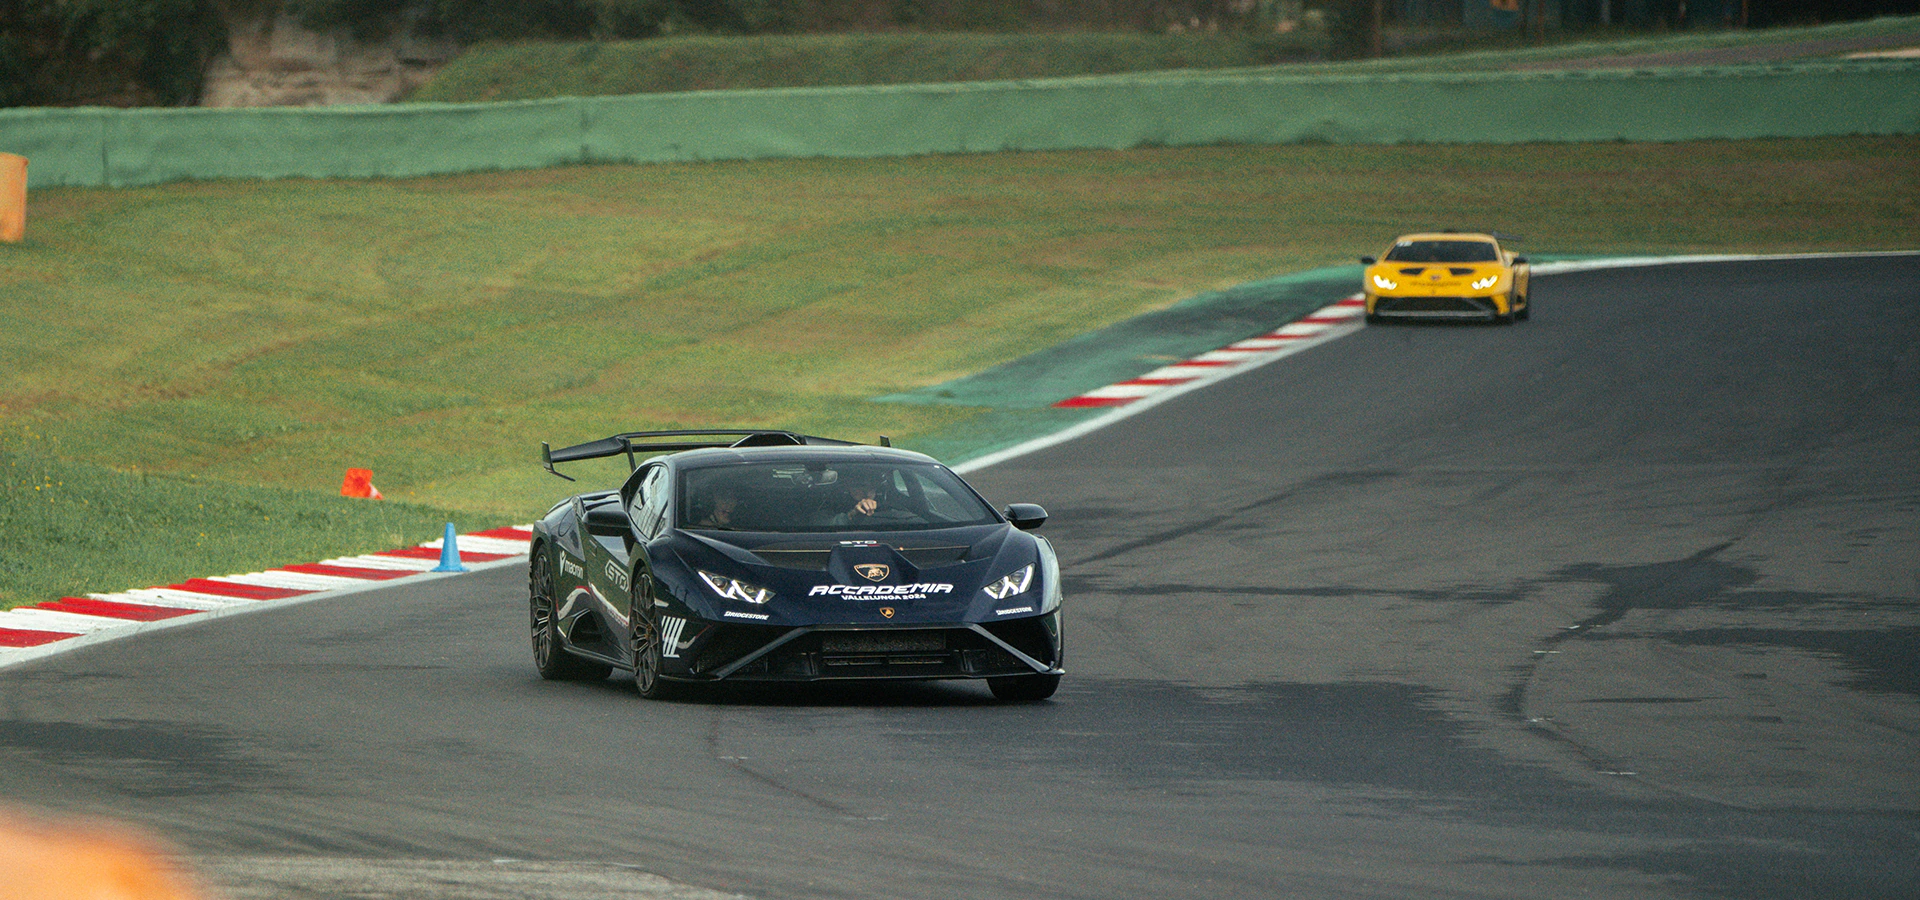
[{"x": 735, "y": 556}]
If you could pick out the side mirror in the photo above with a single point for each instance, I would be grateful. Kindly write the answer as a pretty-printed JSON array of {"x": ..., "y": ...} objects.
[
  {"x": 1367, "y": 260},
  {"x": 609, "y": 520},
  {"x": 1519, "y": 260},
  {"x": 1025, "y": 516}
]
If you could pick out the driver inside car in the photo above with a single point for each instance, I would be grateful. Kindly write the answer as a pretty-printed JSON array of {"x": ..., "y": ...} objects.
[{"x": 867, "y": 502}]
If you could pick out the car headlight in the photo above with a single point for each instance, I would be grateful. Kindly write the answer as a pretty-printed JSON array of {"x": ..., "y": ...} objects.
[
  {"x": 1481, "y": 284},
  {"x": 735, "y": 589},
  {"x": 1384, "y": 283},
  {"x": 1015, "y": 583}
]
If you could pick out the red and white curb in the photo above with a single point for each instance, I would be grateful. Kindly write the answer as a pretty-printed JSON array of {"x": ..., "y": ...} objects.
[
  {"x": 1321, "y": 324},
  {"x": 30, "y": 632},
  {"x": 1137, "y": 395}
]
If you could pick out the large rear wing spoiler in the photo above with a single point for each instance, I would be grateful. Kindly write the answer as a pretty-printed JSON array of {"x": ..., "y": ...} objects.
[{"x": 638, "y": 445}]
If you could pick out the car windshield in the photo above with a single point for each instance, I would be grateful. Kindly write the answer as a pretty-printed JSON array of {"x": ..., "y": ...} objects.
[
  {"x": 827, "y": 496},
  {"x": 1443, "y": 252}
]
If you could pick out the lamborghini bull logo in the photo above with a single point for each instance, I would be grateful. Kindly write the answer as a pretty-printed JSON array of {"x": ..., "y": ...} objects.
[
  {"x": 886, "y": 612},
  {"x": 872, "y": 571}
]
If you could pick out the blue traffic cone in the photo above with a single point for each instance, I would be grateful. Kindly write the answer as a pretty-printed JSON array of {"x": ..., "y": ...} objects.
[{"x": 450, "y": 553}]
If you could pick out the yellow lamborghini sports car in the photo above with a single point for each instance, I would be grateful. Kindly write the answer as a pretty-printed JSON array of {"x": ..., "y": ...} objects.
[{"x": 1447, "y": 275}]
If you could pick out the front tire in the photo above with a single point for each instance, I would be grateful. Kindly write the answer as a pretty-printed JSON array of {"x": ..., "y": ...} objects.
[
  {"x": 649, "y": 654},
  {"x": 1023, "y": 688},
  {"x": 550, "y": 656}
]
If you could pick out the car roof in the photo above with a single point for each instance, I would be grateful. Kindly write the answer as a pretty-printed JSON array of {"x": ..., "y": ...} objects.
[
  {"x": 720, "y": 456},
  {"x": 1446, "y": 236}
]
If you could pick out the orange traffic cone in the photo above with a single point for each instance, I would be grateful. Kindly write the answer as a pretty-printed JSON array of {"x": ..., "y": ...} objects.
[{"x": 359, "y": 483}]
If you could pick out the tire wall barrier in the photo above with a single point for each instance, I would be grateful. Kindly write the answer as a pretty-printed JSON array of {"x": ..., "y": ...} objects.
[{"x": 125, "y": 148}]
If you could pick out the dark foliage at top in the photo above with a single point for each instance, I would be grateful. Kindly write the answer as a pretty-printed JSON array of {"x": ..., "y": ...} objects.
[
  {"x": 478, "y": 20},
  {"x": 106, "y": 52}
]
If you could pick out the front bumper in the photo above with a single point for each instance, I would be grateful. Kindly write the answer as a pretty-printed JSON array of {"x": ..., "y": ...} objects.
[
  {"x": 735, "y": 652},
  {"x": 1483, "y": 307}
]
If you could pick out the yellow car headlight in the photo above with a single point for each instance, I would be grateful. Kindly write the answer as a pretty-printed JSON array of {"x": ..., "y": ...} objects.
[
  {"x": 1481, "y": 284},
  {"x": 1384, "y": 283}
]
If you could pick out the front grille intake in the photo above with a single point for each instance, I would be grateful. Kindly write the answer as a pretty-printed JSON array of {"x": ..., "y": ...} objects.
[
  {"x": 1437, "y": 307},
  {"x": 875, "y": 653}
]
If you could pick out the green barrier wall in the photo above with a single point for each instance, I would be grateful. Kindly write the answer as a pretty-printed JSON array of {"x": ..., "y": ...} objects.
[{"x": 149, "y": 146}]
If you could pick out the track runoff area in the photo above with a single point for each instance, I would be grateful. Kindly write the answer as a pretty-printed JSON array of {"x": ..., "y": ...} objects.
[{"x": 69, "y": 623}]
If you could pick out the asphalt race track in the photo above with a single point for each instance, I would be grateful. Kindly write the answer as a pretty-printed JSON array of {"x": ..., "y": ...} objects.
[{"x": 1620, "y": 602}]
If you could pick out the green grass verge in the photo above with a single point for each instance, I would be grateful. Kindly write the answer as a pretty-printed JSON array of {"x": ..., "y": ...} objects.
[
  {"x": 1475, "y": 51},
  {"x": 238, "y": 345},
  {"x": 537, "y": 70},
  {"x": 550, "y": 69},
  {"x": 68, "y": 527}
]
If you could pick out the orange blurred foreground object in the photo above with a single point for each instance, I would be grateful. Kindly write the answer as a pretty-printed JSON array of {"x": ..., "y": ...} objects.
[
  {"x": 13, "y": 198},
  {"x": 359, "y": 483},
  {"x": 69, "y": 860}
]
